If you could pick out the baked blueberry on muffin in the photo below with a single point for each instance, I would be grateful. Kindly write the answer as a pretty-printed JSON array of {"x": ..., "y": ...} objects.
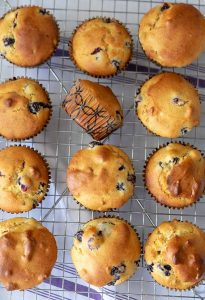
[
  {"x": 175, "y": 254},
  {"x": 94, "y": 107},
  {"x": 24, "y": 179},
  {"x": 25, "y": 108},
  {"x": 28, "y": 253},
  {"x": 172, "y": 34},
  {"x": 168, "y": 105},
  {"x": 101, "y": 177},
  {"x": 101, "y": 47},
  {"x": 28, "y": 36},
  {"x": 106, "y": 251},
  {"x": 175, "y": 175}
]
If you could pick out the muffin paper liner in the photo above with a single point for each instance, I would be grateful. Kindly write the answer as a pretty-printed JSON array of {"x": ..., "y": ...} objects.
[
  {"x": 58, "y": 37},
  {"x": 174, "y": 289},
  {"x": 49, "y": 176},
  {"x": 87, "y": 73},
  {"x": 144, "y": 173},
  {"x": 49, "y": 102}
]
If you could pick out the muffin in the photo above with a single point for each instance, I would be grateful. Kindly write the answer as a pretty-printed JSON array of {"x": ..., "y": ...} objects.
[
  {"x": 23, "y": 101},
  {"x": 94, "y": 107},
  {"x": 28, "y": 36},
  {"x": 28, "y": 253},
  {"x": 24, "y": 179},
  {"x": 168, "y": 105},
  {"x": 172, "y": 34},
  {"x": 101, "y": 47},
  {"x": 175, "y": 254},
  {"x": 106, "y": 251},
  {"x": 175, "y": 175},
  {"x": 101, "y": 177}
]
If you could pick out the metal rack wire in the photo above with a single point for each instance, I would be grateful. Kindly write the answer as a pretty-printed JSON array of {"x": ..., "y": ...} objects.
[{"x": 62, "y": 138}]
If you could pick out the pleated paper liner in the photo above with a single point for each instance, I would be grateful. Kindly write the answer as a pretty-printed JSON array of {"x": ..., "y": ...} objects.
[
  {"x": 118, "y": 70},
  {"x": 50, "y": 109},
  {"x": 91, "y": 145},
  {"x": 54, "y": 48},
  {"x": 49, "y": 177},
  {"x": 85, "y": 110},
  {"x": 169, "y": 288},
  {"x": 133, "y": 228},
  {"x": 144, "y": 173}
]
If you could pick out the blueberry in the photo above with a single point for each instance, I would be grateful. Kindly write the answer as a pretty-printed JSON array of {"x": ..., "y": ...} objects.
[
  {"x": 34, "y": 107},
  {"x": 175, "y": 160},
  {"x": 117, "y": 271},
  {"x": 96, "y": 50},
  {"x": 41, "y": 187},
  {"x": 24, "y": 187},
  {"x": 184, "y": 130},
  {"x": 116, "y": 63},
  {"x": 178, "y": 101},
  {"x": 131, "y": 178},
  {"x": 165, "y": 269},
  {"x": 161, "y": 164},
  {"x": 120, "y": 186},
  {"x": 150, "y": 267},
  {"x": 94, "y": 143},
  {"x": 165, "y": 6},
  {"x": 121, "y": 168},
  {"x": 79, "y": 235},
  {"x": 8, "y": 41}
]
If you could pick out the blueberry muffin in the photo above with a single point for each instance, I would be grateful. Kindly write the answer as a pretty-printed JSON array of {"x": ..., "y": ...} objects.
[
  {"x": 23, "y": 102},
  {"x": 172, "y": 34},
  {"x": 101, "y": 47},
  {"x": 28, "y": 253},
  {"x": 175, "y": 175},
  {"x": 101, "y": 177},
  {"x": 94, "y": 107},
  {"x": 24, "y": 179},
  {"x": 28, "y": 36},
  {"x": 106, "y": 251},
  {"x": 175, "y": 254},
  {"x": 168, "y": 105}
]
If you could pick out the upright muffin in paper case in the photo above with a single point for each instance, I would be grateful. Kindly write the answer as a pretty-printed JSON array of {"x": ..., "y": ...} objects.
[
  {"x": 175, "y": 175},
  {"x": 25, "y": 108},
  {"x": 101, "y": 177},
  {"x": 101, "y": 47},
  {"x": 172, "y": 34},
  {"x": 168, "y": 105},
  {"x": 28, "y": 253},
  {"x": 28, "y": 36},
  {"x": 175, "y": 254},
  {"x": 106, "y": 251},
  {"x": 24, "y": 179},
  {"x": 94, "y": 107}
]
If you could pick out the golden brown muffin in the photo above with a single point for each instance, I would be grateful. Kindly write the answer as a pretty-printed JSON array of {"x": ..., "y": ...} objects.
[
  {"x": 175, "y": 175},
  {"x": 101, "y": 47},
  {"x": 168, "y": 105},
  {"x": 28, "y": 253},
  {"x": 23, "y": 102},
  {"x": 101, "y": 177},
  {"x": 94, "y": 107},
  {"x": 172, "y": 34},
  {"x": 106, "y": 251},
  {"x": 24, "y": 179},
  {"x": 175, "y": 254},
  {"x": 28, "y": 36}
]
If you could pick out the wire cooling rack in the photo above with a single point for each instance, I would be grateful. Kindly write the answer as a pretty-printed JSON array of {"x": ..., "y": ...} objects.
[{"x": 62, "y": 138}]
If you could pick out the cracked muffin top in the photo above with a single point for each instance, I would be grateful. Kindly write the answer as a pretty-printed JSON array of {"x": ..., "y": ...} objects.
[
  {"x": 28, "y": 253},
  {"x": 175, "y": 254},
  {"x": 168, "y": 105},
  {"x": 23, "y": 102},
  {"x": 101, "y": 47},
  {"x": 101, "y": 177},
  {"x": 106, "y": 251},
  {"x": 175, "y": 175},
  {"x": 28, "y": 36},
  {"x": 172, "y": 34},
  {"x": 24, "y": 179}
]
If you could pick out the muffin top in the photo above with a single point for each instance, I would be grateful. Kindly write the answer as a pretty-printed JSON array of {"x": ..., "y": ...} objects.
[
  {"x": 175, "y": 254},
  {"x": 28, "y": 253},
  {"x": 94, "y": 107},
  {"x": 23, "y": 101},
  {"x": 101, "y": 177},
  {"x": 175, "y": 175},
  {"x": 28, "y": 36},
  {"x": 168, "y": 105},
  {"x": 106, "y": 251},
  {"x": 169, "y": 37},
  {"x": 101, "y": 46},
  {"x": 24, "y": 179}
]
